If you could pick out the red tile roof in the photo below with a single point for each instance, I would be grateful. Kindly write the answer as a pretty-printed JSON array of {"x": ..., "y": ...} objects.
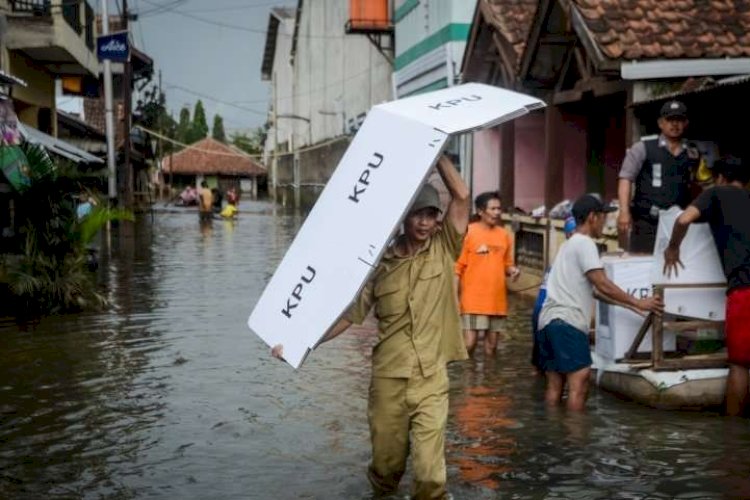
[
  {"x": 512, "y": 19},
  {"x": 211, "y": 157},
  {"x": 667, "y": 29}
]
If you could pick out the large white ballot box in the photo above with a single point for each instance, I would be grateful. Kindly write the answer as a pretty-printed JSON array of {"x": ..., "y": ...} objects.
[
  {"x": 361, "y": 207},
  {"x": 701, "y": 266},
  {"x": 616, "y": 326}
]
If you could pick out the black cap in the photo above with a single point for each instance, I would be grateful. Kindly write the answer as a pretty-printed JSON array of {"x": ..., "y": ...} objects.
[
  {"x": 673, "y": 109},
  {"x": 732, "y": 168},
  {"x": 587, "y": 204}
]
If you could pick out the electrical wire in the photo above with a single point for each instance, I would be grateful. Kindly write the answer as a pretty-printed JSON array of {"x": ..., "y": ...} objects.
[
  {"x": 300, "y": 150},
  {"x": 160, "y": 8},
  {"x": 140, "y": 28},
  {"x": 335, "y": 83},
  {"x": 241, "y": 28},
  {"x": 239, "y": 152},
  {"x": 206, "y": 96},
  {"x": 237, "y": 7}
]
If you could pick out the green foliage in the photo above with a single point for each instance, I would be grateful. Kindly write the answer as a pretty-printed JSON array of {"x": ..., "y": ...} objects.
[
  {"x": 51, "y": 273},
  {"x": 151, "y": 112},
  {"x": 184, "y": 127},
  {"x": 48, "y": 283},
  {"x": 252, "y": 142},
  {"x": 95, "y": 221},
  {"x": 199, "y": 127},
  {"x": 218, "y": 129}
]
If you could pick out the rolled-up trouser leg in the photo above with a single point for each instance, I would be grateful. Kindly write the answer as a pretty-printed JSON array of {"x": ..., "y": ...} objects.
[
  {"x": 428, "y": 402},
  {"x": 389, "y": 432}
]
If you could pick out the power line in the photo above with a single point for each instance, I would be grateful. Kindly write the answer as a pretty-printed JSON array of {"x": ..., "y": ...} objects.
[
  {"x": 240, "y": 28},
  {"x": 239, "y": 152},
  {"x": 160, "y": 8},
  {"x": 237, "y": 7},
  {"x": 228, "y": 120},
  {"x": 140, "y": 28},
  {"x": 300, "y": 150},
  {"x": 206, "y": 96},
  {"x": 235, "y": 104}
]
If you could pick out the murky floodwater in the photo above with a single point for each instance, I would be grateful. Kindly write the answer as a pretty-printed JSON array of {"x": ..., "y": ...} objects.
[{"x": 170, "y": 396}]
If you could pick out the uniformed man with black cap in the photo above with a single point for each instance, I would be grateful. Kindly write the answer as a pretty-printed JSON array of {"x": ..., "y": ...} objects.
[{"x": 655, "y": 175}]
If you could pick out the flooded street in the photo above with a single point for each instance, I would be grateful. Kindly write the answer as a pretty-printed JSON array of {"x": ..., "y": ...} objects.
[{"x": 169, "y": 396}]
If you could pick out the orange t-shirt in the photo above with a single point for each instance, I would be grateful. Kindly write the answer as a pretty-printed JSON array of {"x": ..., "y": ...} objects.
[{"x": 486, "y": 254}]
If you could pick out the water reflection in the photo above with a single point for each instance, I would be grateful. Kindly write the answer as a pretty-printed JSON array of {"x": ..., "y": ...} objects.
[{"x": 168, "y": 395}]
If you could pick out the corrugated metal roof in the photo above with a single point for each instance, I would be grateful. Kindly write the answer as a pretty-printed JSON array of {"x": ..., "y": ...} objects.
[
  {"x": 698, "y": 86},
  {"x": 57, "y": 146}
]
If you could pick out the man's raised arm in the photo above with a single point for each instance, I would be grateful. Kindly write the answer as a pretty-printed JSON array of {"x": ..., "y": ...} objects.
[{"x": 460, "y": 203}]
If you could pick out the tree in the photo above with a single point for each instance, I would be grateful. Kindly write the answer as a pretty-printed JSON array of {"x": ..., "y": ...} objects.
[
  {"x": 184, "y": 126},
  {"x": 151, "y": 112},
  {"x": 251, "y": 142},
  {"x": 199, "y": 128},
  {"x": 218, "y": 129}
]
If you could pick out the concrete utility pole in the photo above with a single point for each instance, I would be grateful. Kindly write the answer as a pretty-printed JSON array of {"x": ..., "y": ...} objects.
[
  {"x": 109, "y": 121},
  {"x": 127, "y": 77}
]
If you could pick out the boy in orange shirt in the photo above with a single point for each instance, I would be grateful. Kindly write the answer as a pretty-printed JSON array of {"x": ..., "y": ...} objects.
[{"x": 485, "y": 261}]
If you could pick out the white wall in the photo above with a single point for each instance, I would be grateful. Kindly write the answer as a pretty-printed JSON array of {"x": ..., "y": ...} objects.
[
  {"x": 435, "y": 31},
  {"x": 283, "y": 79},
  {"x": 334, "y": 73}
]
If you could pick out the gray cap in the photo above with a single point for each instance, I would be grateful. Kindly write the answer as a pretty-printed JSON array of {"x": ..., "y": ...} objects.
[{"x": 427, "y": 197}]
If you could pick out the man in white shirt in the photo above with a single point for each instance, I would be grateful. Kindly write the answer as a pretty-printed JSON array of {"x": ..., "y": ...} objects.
[{"x": 564, "y": 353}]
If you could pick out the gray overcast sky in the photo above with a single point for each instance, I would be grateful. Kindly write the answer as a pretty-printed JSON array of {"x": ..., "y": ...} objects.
[{"x": 187, "y": 42}]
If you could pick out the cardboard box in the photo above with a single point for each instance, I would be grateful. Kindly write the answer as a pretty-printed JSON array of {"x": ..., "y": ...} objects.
[
  {"x": 616, "y": 327},
  {"x": 702, "y": 266}
]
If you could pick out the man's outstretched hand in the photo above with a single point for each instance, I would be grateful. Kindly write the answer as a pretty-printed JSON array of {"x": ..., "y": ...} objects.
[{"x": 672, "y": 261}]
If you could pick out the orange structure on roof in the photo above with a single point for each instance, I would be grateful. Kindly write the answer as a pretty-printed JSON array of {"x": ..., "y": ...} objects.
[{"x": 368, "y": 16}]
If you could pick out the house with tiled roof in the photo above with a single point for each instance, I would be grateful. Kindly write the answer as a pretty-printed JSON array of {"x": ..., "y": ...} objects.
[
  {"x": 221, "y": 165},
  {"x": 604, "y": 67},
  {"x": 497, "y": 41}
]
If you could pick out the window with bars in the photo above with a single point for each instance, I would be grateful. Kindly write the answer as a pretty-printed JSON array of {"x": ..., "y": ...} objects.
[
  {"x": 36, "y": 7},
  {"x": 530, "y": 249}
]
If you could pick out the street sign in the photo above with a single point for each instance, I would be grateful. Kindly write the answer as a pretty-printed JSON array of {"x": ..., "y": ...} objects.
[
  {"x": 362, "y": 205},
  {"x": 114, "y": 46}
]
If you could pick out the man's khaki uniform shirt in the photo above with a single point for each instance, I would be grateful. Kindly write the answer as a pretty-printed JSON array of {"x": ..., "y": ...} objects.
[{"x": 416, "y": 308}]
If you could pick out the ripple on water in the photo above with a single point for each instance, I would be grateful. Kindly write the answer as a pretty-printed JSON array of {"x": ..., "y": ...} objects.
[{"x": 169, "y": 395}]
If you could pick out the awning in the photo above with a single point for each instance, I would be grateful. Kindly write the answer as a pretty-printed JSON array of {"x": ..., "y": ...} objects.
[
  {"x": 57, "y": 146},
  {"x": 697, "y": 86},
  {"x": 7, "y": 79}
]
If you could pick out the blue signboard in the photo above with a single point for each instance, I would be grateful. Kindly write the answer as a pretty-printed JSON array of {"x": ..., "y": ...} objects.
[{"x": 113, "y": 46}]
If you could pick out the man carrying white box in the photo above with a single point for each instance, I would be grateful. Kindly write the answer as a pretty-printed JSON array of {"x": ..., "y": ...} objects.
[{"x": 725, "y": 207}]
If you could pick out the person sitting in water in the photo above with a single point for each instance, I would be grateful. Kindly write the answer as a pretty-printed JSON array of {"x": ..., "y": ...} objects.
[
  {"x": 188, "y": 196},
  {"x": 230, "y": 211}
]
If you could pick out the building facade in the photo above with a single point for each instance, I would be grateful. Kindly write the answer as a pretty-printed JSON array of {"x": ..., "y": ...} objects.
[
  {"x": 45, "y": 41},
  {"x": 430, "y": 41},
  {"x": 324, "y": 78}
]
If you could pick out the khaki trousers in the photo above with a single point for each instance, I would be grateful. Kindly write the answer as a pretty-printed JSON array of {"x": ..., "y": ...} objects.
[{"x": 397, "y": 408}]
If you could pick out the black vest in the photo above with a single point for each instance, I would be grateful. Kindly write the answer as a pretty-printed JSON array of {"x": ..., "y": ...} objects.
[{"x": 664, "y": 180}]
